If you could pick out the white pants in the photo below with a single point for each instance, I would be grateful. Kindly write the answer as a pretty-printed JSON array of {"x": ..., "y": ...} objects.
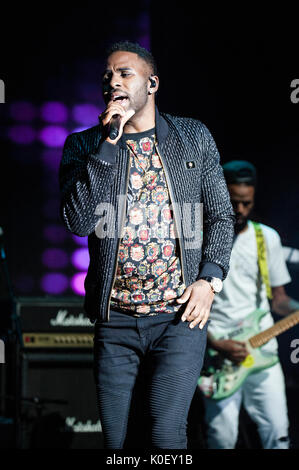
[{"x": 263, "y": 396}]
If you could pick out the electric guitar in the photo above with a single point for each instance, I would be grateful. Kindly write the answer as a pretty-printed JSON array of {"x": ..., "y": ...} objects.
[{"x": 221, "y": 377}]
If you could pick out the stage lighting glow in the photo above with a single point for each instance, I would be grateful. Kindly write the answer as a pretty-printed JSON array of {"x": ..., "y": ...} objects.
[
  {"x": 54, "y": 112},
  {"x": 85, "y": 114},
  {"x": 77, "y": 283},
  {"x": 54, "y": 283},
  {"x": 22, "y": 111},
  {"x": 51, "y": 158},
  {"x": 144, "y": 41},
  {"x": 79, "y": 129},
  {"x": 22, "y": 134},
  {"x": 83, "y": 241},
  {"x": 89, "y": 91},
  {"x": 80, "y": 259},
  {"x": 55, "y": 258},
  {"x": 53, "y": 136},
  {"x": 24, "y": 284},
  {"x": 51, "y": 209},
  {"x": 55, "y": 233}
]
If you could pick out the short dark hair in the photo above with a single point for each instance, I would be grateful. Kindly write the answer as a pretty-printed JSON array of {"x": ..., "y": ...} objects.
[
  {"x": 128, "y": 46},
  {"x": 240, "y": 171}
]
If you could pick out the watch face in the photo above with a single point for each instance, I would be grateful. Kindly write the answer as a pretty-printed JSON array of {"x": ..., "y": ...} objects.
[{"x": 217, "y": 284}]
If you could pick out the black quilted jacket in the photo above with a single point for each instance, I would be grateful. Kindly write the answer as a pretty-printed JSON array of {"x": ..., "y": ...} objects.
[{"x": 94, "y": 173}]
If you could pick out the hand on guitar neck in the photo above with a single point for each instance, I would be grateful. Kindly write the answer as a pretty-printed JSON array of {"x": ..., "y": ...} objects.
[{"x": 229, "y": 361}]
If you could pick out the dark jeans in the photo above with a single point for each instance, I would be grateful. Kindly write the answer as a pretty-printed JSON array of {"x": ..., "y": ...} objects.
[{"x": 171, "y": 355}]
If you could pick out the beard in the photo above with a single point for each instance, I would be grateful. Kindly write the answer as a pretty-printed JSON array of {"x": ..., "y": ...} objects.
[
  {"x": 139, "y": 100},
  {"x": 241, "y": 223}
]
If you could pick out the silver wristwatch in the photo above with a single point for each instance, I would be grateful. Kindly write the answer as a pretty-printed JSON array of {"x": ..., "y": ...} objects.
[{"x": 215, "y": 283}]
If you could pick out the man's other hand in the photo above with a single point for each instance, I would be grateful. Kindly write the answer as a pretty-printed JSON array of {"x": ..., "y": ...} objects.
[{"x": 200, "y": 297}]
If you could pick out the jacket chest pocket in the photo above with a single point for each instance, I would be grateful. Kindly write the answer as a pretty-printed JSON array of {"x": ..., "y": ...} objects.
[{"x": 191, "y": 179}]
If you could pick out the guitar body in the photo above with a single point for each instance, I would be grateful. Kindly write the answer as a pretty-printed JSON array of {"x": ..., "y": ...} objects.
[{"x": 220, "y": 377}]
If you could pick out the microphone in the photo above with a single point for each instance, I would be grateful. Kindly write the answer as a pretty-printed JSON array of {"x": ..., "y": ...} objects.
[{"x": 114, "y": 126}]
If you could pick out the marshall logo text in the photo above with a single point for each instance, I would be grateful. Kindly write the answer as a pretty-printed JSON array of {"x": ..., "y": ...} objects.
[{"x": 63, "y": 319}]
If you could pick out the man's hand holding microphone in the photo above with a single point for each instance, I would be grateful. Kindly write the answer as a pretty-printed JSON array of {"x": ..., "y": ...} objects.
[{"x": 115, "y": 117}]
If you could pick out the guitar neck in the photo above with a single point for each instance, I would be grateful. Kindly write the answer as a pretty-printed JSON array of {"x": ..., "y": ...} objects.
[{"x": 275, "y": 330}]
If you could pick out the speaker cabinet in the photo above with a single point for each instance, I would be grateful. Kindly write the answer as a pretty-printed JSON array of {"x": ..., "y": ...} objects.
[{"x": 58, "y": 401}]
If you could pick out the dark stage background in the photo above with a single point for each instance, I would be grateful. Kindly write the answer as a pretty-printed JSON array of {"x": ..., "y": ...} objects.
[{"x": 230, "y": 68}]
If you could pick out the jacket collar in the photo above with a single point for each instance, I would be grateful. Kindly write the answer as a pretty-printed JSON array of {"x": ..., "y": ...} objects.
[
  {"x": 161, "y": 127},
  {"x": 161, "y": 130}
]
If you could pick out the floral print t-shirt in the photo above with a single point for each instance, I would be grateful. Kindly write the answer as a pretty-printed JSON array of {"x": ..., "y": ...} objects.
[{"x": 148, "y": 278}]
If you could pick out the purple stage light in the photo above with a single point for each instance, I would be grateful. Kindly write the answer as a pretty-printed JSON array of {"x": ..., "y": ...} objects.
[
  {"x": 54, "y": 112},
  {"x": 144, "y": 27},
  {"x": 83, "y": 241},
  {"x": 80, "y": 259},
  {"x": 51, "y": 209},
  {"x": 79, "y": 129},
  {"x": 145, "y": 41},
  {"x": 53, "y": 136},
  {"x": 55, "y": 258},
  {"x": 51, "y": 186},
  {"x": 54, "y": 283},
  {"x": 77, "y": 283},
  {"x": 22, "y": 111},
  {"x": 25, "y": 284},
  {"x": 51, "y": 158},
  {"x": 88, "y": 91},
  {"x": 85, "y": 114},
  {"x": 55, "y": 234},
  {"x": 22, "y": 134}
]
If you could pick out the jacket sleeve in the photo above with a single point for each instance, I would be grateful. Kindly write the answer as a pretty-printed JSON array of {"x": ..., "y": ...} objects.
[
  {"x": 218, "y": 214},
  {"x": 85, "y": 181}
]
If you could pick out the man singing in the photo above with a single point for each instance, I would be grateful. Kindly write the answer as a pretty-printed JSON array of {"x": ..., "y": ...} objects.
[{"x": 154, "y": 268}]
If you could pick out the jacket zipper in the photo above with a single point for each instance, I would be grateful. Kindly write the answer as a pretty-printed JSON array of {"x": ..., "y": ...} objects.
[
  {"x": 175, "y": 217},
  {"x": 119, "y": 238}
]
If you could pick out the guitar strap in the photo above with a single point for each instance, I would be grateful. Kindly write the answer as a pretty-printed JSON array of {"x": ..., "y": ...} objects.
[{"x": 262, "y": 257}]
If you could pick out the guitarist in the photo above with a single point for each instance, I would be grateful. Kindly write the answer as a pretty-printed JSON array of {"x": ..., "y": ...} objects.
[{"x": 262, "y": 393}]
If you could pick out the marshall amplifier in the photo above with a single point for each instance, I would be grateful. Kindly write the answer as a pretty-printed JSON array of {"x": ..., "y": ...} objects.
[
  {"x": 54, "y": 322},
  {"x": 53, "y": 314},
  {"x": 57, "y": 393},
  {"x": 58, "y": 407}
]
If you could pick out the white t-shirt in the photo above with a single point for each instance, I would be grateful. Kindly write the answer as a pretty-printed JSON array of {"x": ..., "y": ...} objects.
[{"x": 243, "y": 290}]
